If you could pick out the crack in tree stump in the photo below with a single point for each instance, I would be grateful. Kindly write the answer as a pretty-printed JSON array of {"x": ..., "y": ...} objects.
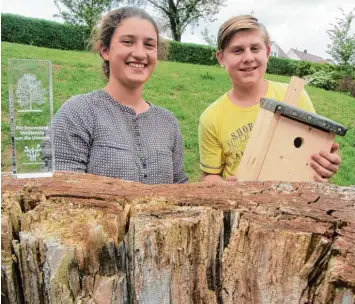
[{"x": 79, "y": 238}]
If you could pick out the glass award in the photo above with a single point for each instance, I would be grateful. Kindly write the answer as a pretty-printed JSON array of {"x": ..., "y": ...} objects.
[{"x": 31, "y": 112}]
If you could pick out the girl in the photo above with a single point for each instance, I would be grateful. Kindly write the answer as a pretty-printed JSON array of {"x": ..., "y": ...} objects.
[{"x": 114, "y": 131}]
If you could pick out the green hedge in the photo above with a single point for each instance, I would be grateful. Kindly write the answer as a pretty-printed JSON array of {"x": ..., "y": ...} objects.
[
  {"x": 38, "y": 32},
  {"x": 290, "y": 67},
  {"x": 203, "y": 54},
  {"x": 281, "y": 66},
  {"x": 190, "y": 53},
  {"x": 51, "y": 34}
]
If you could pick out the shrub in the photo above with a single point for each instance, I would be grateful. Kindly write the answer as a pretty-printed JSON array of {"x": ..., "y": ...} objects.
[
  {"x": 282, "y": 66},
  {"x": 339, "y": 73},
  {"x": 347, "y": 85},
  {"x": 322, "y": 79},
  {"x": 291, "y": 67},
  {"x": 191, "y": 53},
  {"x": 304, "y": 68},
  {"x": 163, "y": 49},
  {"x": 323, "y": 66},
  {"x": 43, "y": 33}
]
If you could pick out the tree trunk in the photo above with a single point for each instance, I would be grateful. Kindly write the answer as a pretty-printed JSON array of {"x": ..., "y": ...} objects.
[
  {"x": 174, "y": 21},
  {"x": 78, "y": 238},
  {"x": 174, "y": 28}
]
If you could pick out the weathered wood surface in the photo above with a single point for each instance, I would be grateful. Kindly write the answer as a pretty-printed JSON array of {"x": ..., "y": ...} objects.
[{"x": 88, "y": 239}]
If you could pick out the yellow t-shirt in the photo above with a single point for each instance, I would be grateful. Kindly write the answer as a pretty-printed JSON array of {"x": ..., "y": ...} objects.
[{"x": 224, "y": 130}]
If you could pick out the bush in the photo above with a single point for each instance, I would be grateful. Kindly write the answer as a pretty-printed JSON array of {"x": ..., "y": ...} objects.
[
  {"x": 291, "y": 67},
  {"x": 282, "y": 66},
  {"x": 347, "y": 85},
  {"x": 304, "y": 68},
  {"x": 324, "y": 67},
  {"x": 339, "y": 73},
  {"x": 163, "y": 49},
  {"x": 191, "y": 53},
  {"x": 322, "y": 79},
  {"x": 43, "y": 33}
]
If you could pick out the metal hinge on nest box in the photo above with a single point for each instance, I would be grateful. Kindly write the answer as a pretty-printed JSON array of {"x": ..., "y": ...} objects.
[{"x": 283, "y": 139}]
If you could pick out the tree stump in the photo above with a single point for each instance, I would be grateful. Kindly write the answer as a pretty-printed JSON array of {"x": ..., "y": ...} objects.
[{"x": 79, "y": 238}]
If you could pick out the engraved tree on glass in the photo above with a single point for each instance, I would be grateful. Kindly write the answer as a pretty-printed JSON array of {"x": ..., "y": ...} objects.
[
  {"x": 31, "y": 112},
  {"x": 29, "y": 91}
]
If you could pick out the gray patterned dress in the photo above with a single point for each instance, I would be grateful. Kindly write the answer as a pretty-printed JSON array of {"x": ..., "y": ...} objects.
[{"x": 93, "y": 133}]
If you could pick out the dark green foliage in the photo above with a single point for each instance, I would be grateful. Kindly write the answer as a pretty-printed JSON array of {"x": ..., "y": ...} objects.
[
  {"x": 282, "y": 66},
  {"x": 191, "y": 53},
  {"x": 290, "y": 67},
  {"x": 43, "y": 33},
  {"x": 339, "y": 73},
  {"x": 304, "y": 68},
  {"x": 347, "y": 85}
]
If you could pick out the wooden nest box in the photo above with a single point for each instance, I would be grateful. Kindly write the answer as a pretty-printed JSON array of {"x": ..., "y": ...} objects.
[{"x": 283, "y": 139}]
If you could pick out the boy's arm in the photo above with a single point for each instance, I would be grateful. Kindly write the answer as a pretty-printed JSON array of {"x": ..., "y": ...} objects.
[
  {"x": 209, "y": 177},
  {"x": 211, "y": 154}
]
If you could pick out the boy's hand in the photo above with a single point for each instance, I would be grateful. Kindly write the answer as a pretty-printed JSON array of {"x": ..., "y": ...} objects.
[
  {"x": 325, "y": 164},
  {"x": 231, "y": 179}
]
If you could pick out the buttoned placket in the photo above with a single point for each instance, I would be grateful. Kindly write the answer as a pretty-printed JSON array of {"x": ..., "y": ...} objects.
[{"x": 138, "y": 142}]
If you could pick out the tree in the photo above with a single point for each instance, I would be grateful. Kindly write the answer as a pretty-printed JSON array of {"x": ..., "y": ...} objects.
[
  {"x": 83, "y": 12},
  {"x": 342, "y": 47},
  {"x": 178, "y": 14},
  {"x": 29, "y": 91}
]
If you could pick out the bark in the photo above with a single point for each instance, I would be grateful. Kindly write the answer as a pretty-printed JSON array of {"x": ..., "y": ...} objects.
[{"x": 78, "y": 238}]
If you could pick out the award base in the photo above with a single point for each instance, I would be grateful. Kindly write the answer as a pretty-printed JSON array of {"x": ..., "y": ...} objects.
[{"x": 33, "y": 175}]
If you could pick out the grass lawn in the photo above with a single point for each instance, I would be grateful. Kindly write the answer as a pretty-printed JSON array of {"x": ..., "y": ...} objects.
[{"x": 184, "y": 89}]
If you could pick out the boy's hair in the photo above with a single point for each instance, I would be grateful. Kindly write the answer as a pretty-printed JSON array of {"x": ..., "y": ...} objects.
[
  {"x": 236, "y": 24},
  {"x": 103, "y": 34}
]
